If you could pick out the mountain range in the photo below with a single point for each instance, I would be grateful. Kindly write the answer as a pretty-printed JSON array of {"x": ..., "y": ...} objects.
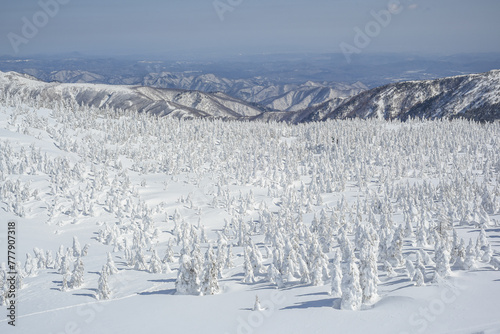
[
  {"x": 263, "y": 91},
  {"x": 475, "y": 96}
]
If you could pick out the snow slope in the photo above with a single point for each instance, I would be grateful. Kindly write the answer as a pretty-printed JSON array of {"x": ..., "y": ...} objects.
[
  {"x": 475, "y": 96},
  {"x": 106, "y": 177},
  {"x": 186, "y": 104}
]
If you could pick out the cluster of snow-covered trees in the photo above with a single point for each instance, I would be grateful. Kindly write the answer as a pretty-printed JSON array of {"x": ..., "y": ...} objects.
[{"x": 341, "y": 203}]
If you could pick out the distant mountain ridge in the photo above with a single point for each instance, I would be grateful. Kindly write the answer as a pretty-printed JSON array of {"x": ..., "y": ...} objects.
[
  {"x": 288, "y": 97},
  {"x": 291, "y": 97},
  {"x": 162, "y": 102},
  {"x": 475, "y": 96}
]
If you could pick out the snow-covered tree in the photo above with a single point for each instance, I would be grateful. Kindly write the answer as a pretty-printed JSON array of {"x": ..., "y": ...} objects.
[
  {"x": 274, "y": 276},
  {"x": 155, "y": 264},
  {"x": 389, "y": 269},
  {"x": 65, "y": 284},
  {"x": 470, "y": 257},
  {"x": 256, "y": 305},
  {"x": 139, "y": 261},
  {"x": 352, "y": 294},
  {"x": 410, "y": 268},
  {"x": 442, "y": 260},
  {"x": 187, "y": 277},
  {"x": 77, "y": 275},
  {"x": 336, "y": 276},
  {"x": 77, "y": 250},
  {"x": 248, "y": 267},
  {"x": 103, "y": 290},
  {"x": 169, "y": 253},
  {"x": 419, "y": 277},
  {"x": 110, "y": 264},
  {"x": 209, "y": 282}
]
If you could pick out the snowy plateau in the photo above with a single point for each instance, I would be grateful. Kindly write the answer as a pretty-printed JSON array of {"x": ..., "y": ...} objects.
[{"x": 129, "y": 222}]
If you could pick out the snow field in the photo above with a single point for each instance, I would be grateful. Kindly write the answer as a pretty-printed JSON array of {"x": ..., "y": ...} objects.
[{"x": 351, "y": 226}]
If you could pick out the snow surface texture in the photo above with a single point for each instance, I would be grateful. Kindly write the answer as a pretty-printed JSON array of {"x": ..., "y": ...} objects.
[{"x": 129, "y": 223}]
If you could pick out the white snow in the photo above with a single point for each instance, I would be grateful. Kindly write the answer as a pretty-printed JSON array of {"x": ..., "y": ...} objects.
[{"x": 136, "y": 170}]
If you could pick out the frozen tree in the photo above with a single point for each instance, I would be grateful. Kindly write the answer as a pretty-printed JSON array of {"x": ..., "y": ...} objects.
[
  {"x": 408, "y": 232},
  {"x": 419, "y": 277},
  {"x": 470, "y": 256},
  {"x": 64, "y": 268},
  {"x": 59, "y": 256},
  {"x": 187, "y": 277},
  {"x": 256, "y": 305},
  {"x": 290, "y": 265},
  {"x": 389, "y": 269},
  {"x": 395, "y": 251},
  {"x": 77, "y": 275},
  {"x": 458, "y": 255},
  {"x": 127, "y": 253},
  {"x": 248, "y": 267},
  {"x": 229, "y": 258},
  {"x": 203, "y": 236},
  {"x": 274, "y": 276},
  {"x": 255, "y": 257},
  {"x": 368, "y": 273},
  {"x": 482, "y": 238},
  {"x": 49, "y": 263},
  {"x": 169, "y": 253},
  {"x": 31, "y": 266},
  {"x": 336, "y": 276},
  {"x": 65, "y": 284},
  {"x": 487, "y": 254},
  {"x": 305, "y": 274},
  {"x": 155, "y": 264},
  {"x": 20, "y": 275},
  {"x": 346, "y": 247},
  {"x": 442, "y": 260},
  {"x": 426, "y": 258},
  {"x": 209, "y": 282},
  {"x": 110, "y": 264},
  {"x": 139, "y": 261},
  {"x": 410, "y": 268},
  {"x": 421, "y": 234},
  {"x": 103, "y": 290},
  {"x": 352, "y": 294},
  {"x": 85, "y": 250},
  {"x": 77, "y": 250}
]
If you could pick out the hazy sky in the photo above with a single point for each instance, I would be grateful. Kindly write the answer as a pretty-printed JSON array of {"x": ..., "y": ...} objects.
[{"x": 162, "y": 27}]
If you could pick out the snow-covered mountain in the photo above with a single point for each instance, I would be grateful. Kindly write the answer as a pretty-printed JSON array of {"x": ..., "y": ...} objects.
[
  {"x": 291, "y": 97},
  {"x": 475, "y": 96},
  {"x": 266, "y": 92},
  {"x": 175, "y": 102}
]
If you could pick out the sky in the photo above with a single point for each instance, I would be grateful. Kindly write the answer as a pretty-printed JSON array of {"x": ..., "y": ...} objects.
[{"x": 230, "y": 27}]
